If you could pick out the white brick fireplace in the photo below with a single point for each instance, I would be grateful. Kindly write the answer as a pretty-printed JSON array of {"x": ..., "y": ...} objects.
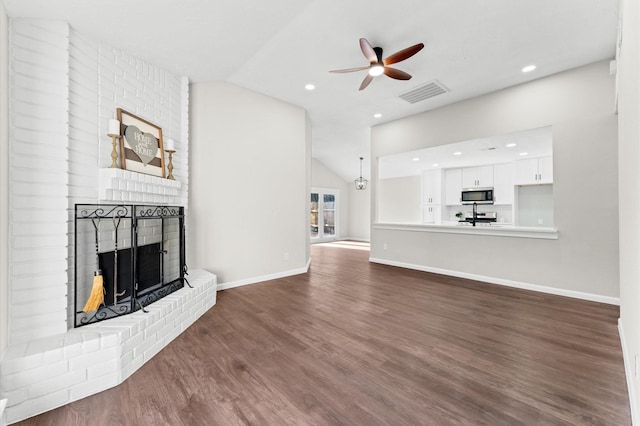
[{"x": 64, "y": 88}]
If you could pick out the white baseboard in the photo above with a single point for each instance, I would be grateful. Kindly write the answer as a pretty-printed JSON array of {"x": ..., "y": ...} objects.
[
  {"x": 358, "y": 239},
  {"x": 628, "y": 368},
  {"x": 500, "y": 281},
  {"x": 262, "y": 278}
]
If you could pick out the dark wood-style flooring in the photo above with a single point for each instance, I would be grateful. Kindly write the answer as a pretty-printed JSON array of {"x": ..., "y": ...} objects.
[{"x": 355, "y": 343}]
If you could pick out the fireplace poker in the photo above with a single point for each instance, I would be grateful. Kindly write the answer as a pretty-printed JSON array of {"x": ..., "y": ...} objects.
[
  {"x": 96, "y": 298},
  {"x": 116, "y": 224}
]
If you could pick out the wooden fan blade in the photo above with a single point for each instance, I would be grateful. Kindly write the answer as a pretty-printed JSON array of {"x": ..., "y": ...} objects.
[
  {"x": 368, "y": 79},
  {"x": 368, "y": 51},
  {"x": 397, "y": 74},
  {"x": 403, "y": 54},
  {"x": 350, "y": 69}
]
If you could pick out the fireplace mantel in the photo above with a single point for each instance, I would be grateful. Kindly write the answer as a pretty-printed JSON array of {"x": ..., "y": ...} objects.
[{"x": 124, "y": 186}]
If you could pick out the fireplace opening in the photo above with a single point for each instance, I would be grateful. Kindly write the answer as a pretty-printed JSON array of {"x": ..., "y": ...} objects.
[
  {"x": 148, "y": 262},
  {"x": 126, "y": 257}
]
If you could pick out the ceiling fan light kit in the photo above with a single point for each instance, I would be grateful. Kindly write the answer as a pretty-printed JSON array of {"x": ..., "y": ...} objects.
[
  {"x": 378, "y": 66},
  {"x": 376, "y": 70}
]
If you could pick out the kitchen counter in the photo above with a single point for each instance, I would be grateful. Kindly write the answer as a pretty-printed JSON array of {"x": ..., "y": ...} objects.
[{"x": 492, "y": 229}]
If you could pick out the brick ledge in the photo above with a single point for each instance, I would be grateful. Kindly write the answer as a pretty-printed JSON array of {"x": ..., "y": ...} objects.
[{"x": 47, "y": 373}]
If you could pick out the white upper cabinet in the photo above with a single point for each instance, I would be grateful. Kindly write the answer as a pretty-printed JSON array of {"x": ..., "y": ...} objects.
[
  {"x": 503, "y": 178},
  {"x": 431, "y": 186},
  {"x": 534, "y": 171},
  {"x": 545, "y": 169},
  {"x": 477, "y": 177},
  {"x": 452, "y": 187}
]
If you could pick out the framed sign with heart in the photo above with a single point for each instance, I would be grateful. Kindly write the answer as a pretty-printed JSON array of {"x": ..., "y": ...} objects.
[{"x": 141, "y": 148}]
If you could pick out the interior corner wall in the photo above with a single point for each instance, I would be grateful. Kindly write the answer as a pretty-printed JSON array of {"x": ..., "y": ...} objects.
[
  {"x": 248, "y": 199},
  {"x": 307, "y": 143},
  {"x": 578, "y": 104},
  {"x": 323, "y": 177},
  {"x": 629, "y": 181},
  {"x": 359, "y": 213},
  {"x": 4, "y": 178}
]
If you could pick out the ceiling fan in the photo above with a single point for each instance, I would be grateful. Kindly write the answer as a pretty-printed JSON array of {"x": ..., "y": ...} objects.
[{"x": 378, "y": 66}]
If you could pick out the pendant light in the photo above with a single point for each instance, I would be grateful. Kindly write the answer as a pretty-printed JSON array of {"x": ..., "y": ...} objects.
[{"x": 361, "y": 183}]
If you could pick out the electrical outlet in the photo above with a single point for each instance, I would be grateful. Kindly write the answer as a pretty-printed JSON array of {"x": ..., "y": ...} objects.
[
  {"x": 384, "y": 246},
  {"x": 286, "y": 256},
  {"x": 539, "y": 221}
]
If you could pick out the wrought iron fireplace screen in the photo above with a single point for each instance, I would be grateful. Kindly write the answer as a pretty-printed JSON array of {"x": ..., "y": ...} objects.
[{"x": 126, "y": 257}]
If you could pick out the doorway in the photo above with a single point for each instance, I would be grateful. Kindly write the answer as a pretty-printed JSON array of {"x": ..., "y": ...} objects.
[{"x": 324, "y": 204}]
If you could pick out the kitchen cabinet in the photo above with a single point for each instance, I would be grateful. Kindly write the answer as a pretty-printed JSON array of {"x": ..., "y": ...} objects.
[
  {"x": 432, "y": 213},
  {"x": 452, "y": 186},
  {"x": 503, "y": 183},
  {"x": 477, "y": 177},
  {"x": 432, "y": 186},
  {"x": 534, "y": 171},
  {"x": 432, "y": 196}
]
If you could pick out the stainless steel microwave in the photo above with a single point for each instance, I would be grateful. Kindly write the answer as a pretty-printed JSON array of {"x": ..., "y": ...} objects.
[{"x": 477, "y": 195}]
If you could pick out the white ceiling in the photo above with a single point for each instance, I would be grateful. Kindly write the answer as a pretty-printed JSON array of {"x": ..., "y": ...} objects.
[{"x": 275, "y": 47}]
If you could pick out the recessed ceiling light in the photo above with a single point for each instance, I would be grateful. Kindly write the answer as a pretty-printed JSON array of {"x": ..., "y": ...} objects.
[
  {"x": 309, "y": 86},
  {"x": 529, "y": 68},
  {"x": 524, "y": 153},
  {"x": 435, "y": 165},
  {"x": 457, "y": 153},
  {"x": 377, "y": 115},
  {"x": 415, "y": 159},
  {"x": 511, "y": 145}
]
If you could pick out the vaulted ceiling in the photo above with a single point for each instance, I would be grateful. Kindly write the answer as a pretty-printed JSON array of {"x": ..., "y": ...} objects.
[{"x": 276, "y": 47}]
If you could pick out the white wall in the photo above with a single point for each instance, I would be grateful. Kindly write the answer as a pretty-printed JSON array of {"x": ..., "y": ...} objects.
[
  {"x": 359, "y": 213},
  {"x": 629, "y": 179},
  {"x": 39, "y": 135},
  {"x": 308, "y": 182},
  {"x": 584, "y": 260},
  {"x": 400, "y": 200},
  {"x": 4, "y": 178},
  {"x": 249, "y": 194},
  {"x": 322, "y": 177}
]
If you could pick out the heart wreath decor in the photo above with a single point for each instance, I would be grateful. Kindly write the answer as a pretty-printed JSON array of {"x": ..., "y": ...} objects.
[{"x": 145, "y": 145}]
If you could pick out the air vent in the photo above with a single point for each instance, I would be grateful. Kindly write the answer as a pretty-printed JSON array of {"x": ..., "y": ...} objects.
[{"x": 426, "y": 91}]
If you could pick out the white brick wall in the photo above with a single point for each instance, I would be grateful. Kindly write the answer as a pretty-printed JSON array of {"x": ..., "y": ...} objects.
[
  {"x": 38, "y": 179},
  {"x": 103, "y": 79},
  {"x": 64, "y": 87}
]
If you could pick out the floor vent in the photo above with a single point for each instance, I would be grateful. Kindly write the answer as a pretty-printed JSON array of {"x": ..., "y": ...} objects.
[{"x": 426, "y": 91}]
